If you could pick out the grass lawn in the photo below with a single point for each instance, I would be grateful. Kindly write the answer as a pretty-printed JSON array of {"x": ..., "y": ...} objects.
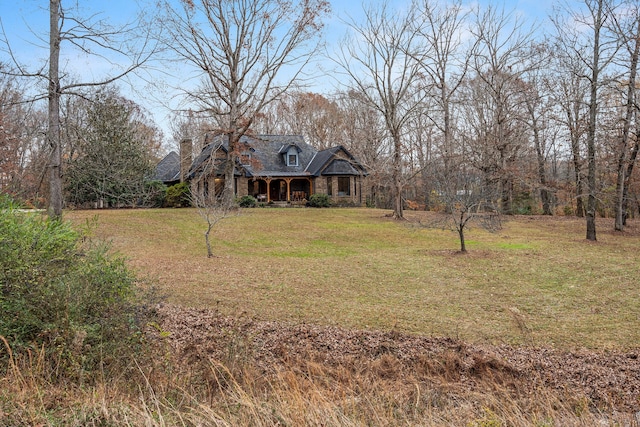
[{"x": 536, "y": 282}]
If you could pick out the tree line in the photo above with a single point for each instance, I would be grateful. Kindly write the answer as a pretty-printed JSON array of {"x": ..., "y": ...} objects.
[{"x": 449, "y": 107}]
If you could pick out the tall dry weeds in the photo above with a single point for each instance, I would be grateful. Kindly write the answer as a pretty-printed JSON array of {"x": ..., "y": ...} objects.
[{"x": 167, "y": 389}]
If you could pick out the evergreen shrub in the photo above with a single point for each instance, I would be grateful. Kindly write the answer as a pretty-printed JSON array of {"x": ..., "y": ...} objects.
[
  {"x": 319, "y": 201},
  {"x": 247, "y": 202},
  {"x": 62, "y": 295}
]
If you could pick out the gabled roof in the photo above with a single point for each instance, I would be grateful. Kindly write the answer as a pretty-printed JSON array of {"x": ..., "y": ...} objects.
[
  {"x": 201, "y": 163},
  {"x": 268, "y": 158},
  {"x": 326, "y": 163},
  {"x": 168, "y": 170}
]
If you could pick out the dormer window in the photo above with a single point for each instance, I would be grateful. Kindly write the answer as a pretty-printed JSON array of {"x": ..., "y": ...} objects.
[
  {"x": 292, "y": 156},
  {"x": 245, "y": 157},
  {"x": 289, "y": 154}
]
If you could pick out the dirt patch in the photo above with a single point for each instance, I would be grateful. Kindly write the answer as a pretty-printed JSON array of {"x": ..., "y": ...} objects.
[{"x": 608, "y": 379}]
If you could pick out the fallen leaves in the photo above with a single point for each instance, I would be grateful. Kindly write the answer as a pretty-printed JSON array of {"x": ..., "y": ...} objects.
[{"x": 608, "y": 379}]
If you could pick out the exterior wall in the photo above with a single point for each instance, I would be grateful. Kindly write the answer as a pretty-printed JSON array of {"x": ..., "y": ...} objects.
[
  {"x": 320, "y": 185},
  {"x": 242, "y": 186},
  {"x": 358, "y": 191}
]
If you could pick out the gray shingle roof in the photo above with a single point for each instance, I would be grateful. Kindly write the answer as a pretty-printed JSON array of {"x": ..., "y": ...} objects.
[
  {"x": 168, "y": 170},
  {"x": 266, "y": 156}
]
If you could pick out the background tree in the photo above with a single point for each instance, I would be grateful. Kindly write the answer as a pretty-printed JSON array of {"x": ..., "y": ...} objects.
[
  {"x": 538, "y": 105},
  {"x": 240, "y": 49},
  {"x": 364, "y": 135},
  {"x": 445, "y": 62},
  {"x": 628, "y": 30},
  {"x": 91, "y": 36},
  {"x": 379, "y": 59},
  {"x": 114, "y": 154},
  {"x": 594, "y": 49},
  {"x": 494, "y": 107},
  {"x": 14, "y": 148}
]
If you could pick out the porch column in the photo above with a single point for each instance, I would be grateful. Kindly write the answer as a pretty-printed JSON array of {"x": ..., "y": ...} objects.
[
  {"x": 288, "y": 181},
  {"x": 268, "y": 180}
]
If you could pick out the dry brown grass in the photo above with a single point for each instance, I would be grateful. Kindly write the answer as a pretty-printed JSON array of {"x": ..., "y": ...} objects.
[
  {"x": 303, "y": 391},
  {"x": 537, "y": 281},
  {"x": 324, "y": 318}
]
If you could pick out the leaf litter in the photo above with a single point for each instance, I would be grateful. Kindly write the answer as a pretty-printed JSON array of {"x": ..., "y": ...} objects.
[{"x": 607, "y": 378}]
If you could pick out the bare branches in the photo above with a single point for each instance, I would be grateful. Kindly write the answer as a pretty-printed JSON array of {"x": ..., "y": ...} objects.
[
  {"x": 240, "y": 48},
  {"x": 90, "y": 36},
  {"x": 380, "y": 60}
]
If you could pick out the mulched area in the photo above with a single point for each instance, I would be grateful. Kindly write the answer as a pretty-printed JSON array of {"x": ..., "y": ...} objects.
[{"x": 609, "y": 379}]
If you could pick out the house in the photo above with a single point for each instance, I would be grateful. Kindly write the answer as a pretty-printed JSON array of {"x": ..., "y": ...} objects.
[
  {"x": 274, "y": 168},
  {"x": 168, "y": 170}
]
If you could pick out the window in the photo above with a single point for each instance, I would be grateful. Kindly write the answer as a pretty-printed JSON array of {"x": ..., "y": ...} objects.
[
  {"x": 344, "y": 186},
  {"x": 292, "y": 160},
  {"x": 245, "y": 158},
  {"x": 329, "y": 186}
]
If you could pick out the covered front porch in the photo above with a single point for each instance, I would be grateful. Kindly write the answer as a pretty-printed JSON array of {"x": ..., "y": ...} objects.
[{"x": 267, "y": 190}]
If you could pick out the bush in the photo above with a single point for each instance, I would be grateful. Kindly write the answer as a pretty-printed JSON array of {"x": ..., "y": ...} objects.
[
  {"x": 247, "y": 202},
  {"x": 62, "y": 294},
  {"x": 178, "y": 196},
  {"x": 319, "y": 201},
  {"x": 154, "y": 195}
]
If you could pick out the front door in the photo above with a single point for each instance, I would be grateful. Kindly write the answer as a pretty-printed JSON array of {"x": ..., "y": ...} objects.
[{"x": 278, "y": 190}]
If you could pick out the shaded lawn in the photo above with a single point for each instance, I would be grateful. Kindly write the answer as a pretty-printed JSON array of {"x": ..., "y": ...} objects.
[{"x": 537, "y": 281}]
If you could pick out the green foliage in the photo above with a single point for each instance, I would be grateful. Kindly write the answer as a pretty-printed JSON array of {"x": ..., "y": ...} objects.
[
  {"x": 247, "y": 202},
  {"x": 319, "y": 201},
  {"x": 112, "y": 158},
  {"x": 155, "y": 193},
  {"x": 61, "y": 294},
  {"x": 178, "y": 196}
]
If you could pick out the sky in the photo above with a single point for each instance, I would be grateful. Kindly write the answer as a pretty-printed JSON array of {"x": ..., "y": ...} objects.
[{"x": 25, "y": 24}]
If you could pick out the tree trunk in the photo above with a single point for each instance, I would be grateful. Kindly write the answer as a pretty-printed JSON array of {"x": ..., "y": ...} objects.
[
  {"x": 591, "y": 131},
  {"x": 545, "y": 194},
  {"x": 229, "y": 167},
  {"x": 207, "y": 240},
  {"x": 625, "y": 197},
  {"x": 53, "y": 131},
  {"x": 397, "y": 177},
  {"x": 463, "y": 247},
  {"x": 622, "y": 155},
  {"x": 573, "y": 123}
]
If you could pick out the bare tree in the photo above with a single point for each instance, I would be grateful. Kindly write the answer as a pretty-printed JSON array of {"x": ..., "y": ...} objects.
[
  {"x": 240, "y": 48},
  {"x": 18, "y": 127},
  {"x": 538, "y": 105},
  {"x": 465, "y": 198},
  {"x": 595, "y": 49},
  {"x": 380, "y": 61},
  {"x": 628, "y": 29},
  {"x": 571, "y": 113},
  {"x": 91, "y": 36},
  {"x": 445, "y": 60},
  {"x": 495, "y": 108},
  {"x": 208, "y": 193}
]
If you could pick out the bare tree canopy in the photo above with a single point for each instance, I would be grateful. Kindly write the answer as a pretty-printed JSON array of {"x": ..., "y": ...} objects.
[
  {"x": 91, "y": 36},
  {"x": 247, "y": 53},
  {"x": 380, "y": 61}
]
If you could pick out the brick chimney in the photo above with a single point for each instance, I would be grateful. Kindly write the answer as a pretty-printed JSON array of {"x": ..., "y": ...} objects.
[{"x": 186, "y": 157}]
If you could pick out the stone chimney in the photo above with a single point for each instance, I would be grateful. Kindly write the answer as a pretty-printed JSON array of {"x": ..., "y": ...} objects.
[{"x": 186, "y": 157}]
